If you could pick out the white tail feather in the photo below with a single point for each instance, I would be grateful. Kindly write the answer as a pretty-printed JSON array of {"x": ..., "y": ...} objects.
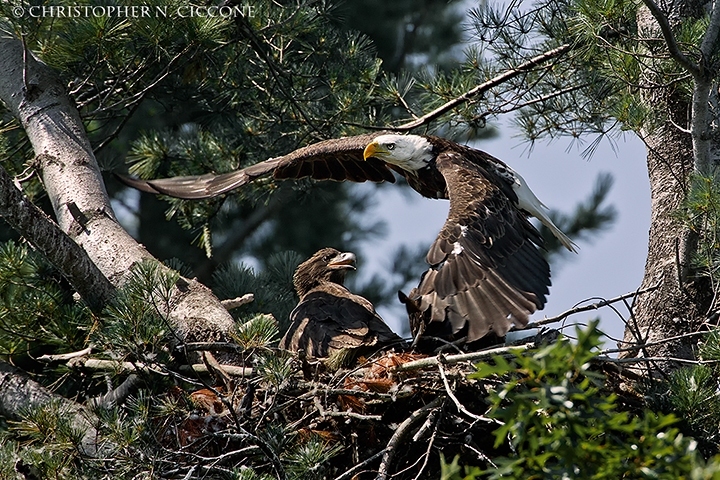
[{"x": 531, "y": 204}]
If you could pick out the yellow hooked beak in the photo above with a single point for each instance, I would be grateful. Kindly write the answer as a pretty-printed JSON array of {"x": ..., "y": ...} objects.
[{"x": 373, "y": 149}]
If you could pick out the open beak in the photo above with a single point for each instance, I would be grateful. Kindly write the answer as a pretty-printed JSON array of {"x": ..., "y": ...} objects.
[
  {"x": 344, "y": 260},
  {"x": 373, "y": 149}
]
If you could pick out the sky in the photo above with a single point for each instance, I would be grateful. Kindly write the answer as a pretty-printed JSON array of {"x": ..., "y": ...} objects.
[{"x": 607, "y": 267}]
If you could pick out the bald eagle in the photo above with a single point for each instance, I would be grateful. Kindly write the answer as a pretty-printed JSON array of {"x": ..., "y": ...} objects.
[
  {"x": 487, "y": 272},
  {"x": 329, "y": 319}
]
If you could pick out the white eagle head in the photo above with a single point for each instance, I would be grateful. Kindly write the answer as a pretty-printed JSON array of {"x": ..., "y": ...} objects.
[{"x": 409, "y": 152}]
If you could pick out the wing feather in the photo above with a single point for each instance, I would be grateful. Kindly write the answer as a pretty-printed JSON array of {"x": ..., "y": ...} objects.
[
  {"x": 325, "y": 322},
  {"x": 487, "y": 269},
  {"x": 336, "y": 159}
]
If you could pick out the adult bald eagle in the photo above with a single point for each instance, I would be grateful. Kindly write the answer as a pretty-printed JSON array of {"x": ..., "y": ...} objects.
[
  {"x": 329, "y": 319},
  {"x": 487, "y": 272}
]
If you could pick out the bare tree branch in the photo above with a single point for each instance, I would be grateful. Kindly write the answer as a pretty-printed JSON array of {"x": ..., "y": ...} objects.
[
  {"x": 587, "y": 308},
  {"x": 670, "y": 40},
  {"x": 463, "y": 357},
  {"x": 482, "y": 88},
  {"x": 400, "y": 433}
]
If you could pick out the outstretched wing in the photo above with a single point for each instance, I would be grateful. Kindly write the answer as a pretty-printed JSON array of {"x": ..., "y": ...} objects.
[
  {"x": 337, "y": 159},
  {"x": 487, "y": 271},
  {"x": 323, "y": 323}
]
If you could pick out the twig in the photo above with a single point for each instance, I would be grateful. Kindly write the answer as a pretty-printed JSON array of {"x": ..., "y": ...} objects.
[
  {"x": 98, "y": 364},
  {"x": 118, "y": 395},
  {"x": 230, "y": 369},
  {"x": 652, "y": 344},
  {"x": 114, "y": 365},
  {"x": 330, "y": 413},
  {"x": 653, "y": 360},
  {"x": 231, "y": 303},
  {"x": 464, "y": 357},
  {"x": 63, "y": 357},
  {"x": 400, "y": 433},
  {"x": 586, "y": 308},
  {"x": 211, "y": 346},
  {"x": 349, "y": 473},
  {"x": 483, "y": 87},
  {"x": 461, "y": 408},
  {"x": 216, "y": 369}
]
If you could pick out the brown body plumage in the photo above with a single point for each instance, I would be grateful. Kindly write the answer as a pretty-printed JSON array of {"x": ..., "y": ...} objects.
[
  {"x": 487, "y": 272},
  {"x": 330, "y": 319}
]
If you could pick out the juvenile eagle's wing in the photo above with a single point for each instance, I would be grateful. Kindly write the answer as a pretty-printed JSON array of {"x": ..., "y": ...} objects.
[
  {"x": 337, "y": 159},
  {"x": 323, "y": 323},
  {"x": 487, "y": 270}
]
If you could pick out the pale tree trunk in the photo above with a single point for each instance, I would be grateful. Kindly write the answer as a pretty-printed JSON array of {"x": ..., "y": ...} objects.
[
  {"x": 72, "y": 179},
  {"x": 75, "y": 187},
  {"x": 683, "y": 144}
]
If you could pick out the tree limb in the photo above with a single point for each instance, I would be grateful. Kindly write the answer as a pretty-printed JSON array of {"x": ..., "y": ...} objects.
[
  {"x": 18, "y": 394},
  {"x": 59, "y": 249},
  {"x": 482, "y": 88},
  {"x": 670, "y": 40},
  {"x": 463, "y": 357},
  {"x": 75, "y": 187}
]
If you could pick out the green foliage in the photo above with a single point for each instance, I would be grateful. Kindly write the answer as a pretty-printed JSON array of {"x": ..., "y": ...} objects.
[
  {"x": 37, "y": 311},
  {"x": 257, "y": 333},
  {"x": 309, "y": 459},
  {"x": 135, "y": 325},
  {"x": 690, "y": 392},
  {"x": 50, "y": 439},
  {"x": 700, "y": 212},
  {"x": 559, "y": 423},
  {"x": 272, "y": 288}
]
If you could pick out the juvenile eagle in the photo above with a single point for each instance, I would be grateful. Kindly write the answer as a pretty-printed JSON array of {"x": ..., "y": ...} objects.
[
  {"x": 487, "y": 272},
  {"x": 329, "y": 318}
]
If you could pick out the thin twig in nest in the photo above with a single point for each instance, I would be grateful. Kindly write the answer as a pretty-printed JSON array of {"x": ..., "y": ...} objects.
[
  {"x": 461, "y": 408},
  {"x": 402, "y": 430}
]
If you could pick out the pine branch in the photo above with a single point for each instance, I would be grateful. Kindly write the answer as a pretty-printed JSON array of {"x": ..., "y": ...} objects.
[
  {"x": 18, "y": 394},
  {"x": 72, "y": 179},
  {"x": 482, "y": 88},
  {"x": 670, "y": 39},
  {"x": 59, "y": 249}
]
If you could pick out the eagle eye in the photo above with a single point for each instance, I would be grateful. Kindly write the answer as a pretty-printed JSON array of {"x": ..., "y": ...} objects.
[{"x": 390, "y": 146}]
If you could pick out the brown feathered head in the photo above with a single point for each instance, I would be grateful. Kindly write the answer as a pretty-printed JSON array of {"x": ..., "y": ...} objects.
[{"x": 327, "y": 265}]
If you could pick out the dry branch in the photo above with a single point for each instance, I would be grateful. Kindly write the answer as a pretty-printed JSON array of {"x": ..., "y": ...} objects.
[
  {"x": 482, "y": 88},
  {"x": 114, "y": 365},
  {"x": 18, "y": 393},
  {"x": 402, "y": 431},
  {"x": 59, "y": 249},
  {"x": 593, "y": 306},
  {"x": 463, "y": 357}
]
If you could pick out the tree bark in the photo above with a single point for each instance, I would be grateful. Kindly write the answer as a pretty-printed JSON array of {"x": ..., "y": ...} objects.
[
  {"x": 75, "y": 187},
  {"x": 60, "y": 250},
  {"x": 18, "y": 393},
  {"x": 681, "y": 302}
]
